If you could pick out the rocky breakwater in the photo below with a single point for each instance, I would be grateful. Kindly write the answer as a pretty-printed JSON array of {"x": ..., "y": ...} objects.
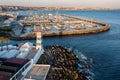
[{"x": 64, "y": 64}]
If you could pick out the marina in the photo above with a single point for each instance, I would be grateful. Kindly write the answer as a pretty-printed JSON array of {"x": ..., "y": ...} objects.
[{"x": 54, "y": 25}]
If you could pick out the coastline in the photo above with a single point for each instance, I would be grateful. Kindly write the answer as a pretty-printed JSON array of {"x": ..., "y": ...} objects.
[{"x": 24, "y": 8}]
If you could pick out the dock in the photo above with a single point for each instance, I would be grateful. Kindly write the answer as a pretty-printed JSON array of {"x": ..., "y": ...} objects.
[{"x": 38, "y": 72}]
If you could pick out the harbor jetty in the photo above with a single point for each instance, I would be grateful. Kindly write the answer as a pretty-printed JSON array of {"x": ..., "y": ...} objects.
[{"x": 64, "y": 64}]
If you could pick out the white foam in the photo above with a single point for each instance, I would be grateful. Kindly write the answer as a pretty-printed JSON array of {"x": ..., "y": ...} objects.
[{"x": 83, "y": 57}]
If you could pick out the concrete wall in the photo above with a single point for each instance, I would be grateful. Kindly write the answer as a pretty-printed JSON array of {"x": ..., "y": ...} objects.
[{"x": 73, "y": 32}]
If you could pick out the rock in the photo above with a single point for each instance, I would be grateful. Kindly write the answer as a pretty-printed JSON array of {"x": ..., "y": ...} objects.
[{"x": 63, "y": 64}]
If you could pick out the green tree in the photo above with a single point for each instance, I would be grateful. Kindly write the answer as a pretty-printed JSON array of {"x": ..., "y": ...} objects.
[
  {"x": 1, "y": 42},
  {"x": 6, "y": 41}
]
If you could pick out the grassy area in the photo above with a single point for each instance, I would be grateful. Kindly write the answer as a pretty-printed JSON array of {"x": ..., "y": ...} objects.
[
  {"x": 4, "y": 40},
  {"x": 1, "y": 24}
]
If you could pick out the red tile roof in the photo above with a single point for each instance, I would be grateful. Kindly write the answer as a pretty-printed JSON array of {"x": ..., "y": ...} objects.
[
  {"x": 16, "y": 61},
  {"x": 4, "y": 77}
]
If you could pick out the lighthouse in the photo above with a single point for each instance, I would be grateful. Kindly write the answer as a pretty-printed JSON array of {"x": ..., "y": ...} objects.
[{"x": 38, "y": 39}]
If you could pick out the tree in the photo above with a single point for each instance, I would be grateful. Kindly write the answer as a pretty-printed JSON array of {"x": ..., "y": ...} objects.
[
  {"x": 6, "y": 41},
  {"x": 1, "y": 42}
]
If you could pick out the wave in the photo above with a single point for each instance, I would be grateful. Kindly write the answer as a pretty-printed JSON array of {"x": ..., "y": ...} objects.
[{"x": 84, "y": 64}]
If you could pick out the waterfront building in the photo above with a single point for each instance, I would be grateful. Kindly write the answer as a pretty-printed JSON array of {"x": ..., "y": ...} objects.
[{"x": 19, "y": 62}]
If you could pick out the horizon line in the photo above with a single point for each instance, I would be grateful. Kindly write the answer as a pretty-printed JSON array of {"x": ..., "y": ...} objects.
[{"x": 59, "y": 7}]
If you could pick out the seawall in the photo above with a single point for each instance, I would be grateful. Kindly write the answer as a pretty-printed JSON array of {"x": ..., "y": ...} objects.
[{"x": 76, "y": 32}]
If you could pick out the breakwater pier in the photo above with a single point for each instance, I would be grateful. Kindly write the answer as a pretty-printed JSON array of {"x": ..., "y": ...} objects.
[{"x": 64, "y": 64}]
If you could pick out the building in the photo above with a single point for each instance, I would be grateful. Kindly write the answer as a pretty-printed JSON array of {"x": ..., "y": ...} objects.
[{"x": 19, "y": 63}]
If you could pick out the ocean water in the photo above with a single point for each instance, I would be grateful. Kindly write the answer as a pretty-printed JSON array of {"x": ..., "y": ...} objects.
[{"x": 103, "y": 48}]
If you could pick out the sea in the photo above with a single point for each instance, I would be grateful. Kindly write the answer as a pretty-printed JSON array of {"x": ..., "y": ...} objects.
[{"x": 103, "y": 48}]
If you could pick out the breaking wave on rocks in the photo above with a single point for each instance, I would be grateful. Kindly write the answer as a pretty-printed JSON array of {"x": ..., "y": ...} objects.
[{"x": 84, "y": 64}]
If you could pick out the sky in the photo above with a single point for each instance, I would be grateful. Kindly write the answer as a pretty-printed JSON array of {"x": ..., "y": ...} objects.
[{"x": 64, "y": 3}]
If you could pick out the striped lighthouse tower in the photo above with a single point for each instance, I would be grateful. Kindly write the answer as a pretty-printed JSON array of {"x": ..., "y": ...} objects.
[{"x": 38, "y": 39}]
